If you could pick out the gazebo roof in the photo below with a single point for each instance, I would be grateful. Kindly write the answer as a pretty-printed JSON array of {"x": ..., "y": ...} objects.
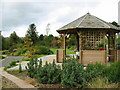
[{"x": 88, "y": 21}]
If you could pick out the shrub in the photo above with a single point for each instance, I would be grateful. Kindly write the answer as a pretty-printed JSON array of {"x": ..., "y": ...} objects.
[
  {"x": 32, "y": 67},
  {"x": 2, "y": 57},
  {"x": 20, "y": 68},
  {"x": 113, "y": 72},
  {"x": 13, "y": 63},
  {"x": 5, "y": 52},
  {"x": 72, "y": 73},
  {"x": 94, "y": 70},
  {"x": 23, "y": 50},
  {"x": 42, "y": 50},
  {"x": 49, "y": 73}
]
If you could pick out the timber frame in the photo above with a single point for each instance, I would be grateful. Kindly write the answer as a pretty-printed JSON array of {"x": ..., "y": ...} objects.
[{"x": 91, "y": 39}]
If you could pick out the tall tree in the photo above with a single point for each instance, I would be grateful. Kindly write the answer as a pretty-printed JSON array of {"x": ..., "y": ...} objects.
[
  {"x": 32, "y": 33},
  {"x": 14, "y": 39}
]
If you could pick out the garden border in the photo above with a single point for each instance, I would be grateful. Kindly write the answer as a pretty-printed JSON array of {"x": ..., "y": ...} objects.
[{"x": 18, "y": 82}]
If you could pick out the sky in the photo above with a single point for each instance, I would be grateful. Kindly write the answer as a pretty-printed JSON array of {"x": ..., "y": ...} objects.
[{"x": 17, "y": 15}]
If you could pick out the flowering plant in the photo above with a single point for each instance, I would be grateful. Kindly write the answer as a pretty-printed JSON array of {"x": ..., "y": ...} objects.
[{"x": 101, "y": 48}]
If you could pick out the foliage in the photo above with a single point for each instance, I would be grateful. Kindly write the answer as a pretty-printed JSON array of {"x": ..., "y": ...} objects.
[
  {"x": 94, "y": 70},
  {"x": 115, "y": 24},
  {"x": 42, "y": 50},
  {"x": 5, "y": 52},
  {"x": 101, "y": 82},
  {"x": 11, "y": 64},
  {"x": 20, "y": 68},
  {"x": 113, "y": 72},
  {"x": 2, "y": 57},
  {"x": 32, "y": 67},
  {"x": 72, "y": 73},
  {"x": 14, "y": 38},
  {"x": 25, "y": 59},
  {"x": 32, "y": 33},
  {"x": 49, "y": 73}
]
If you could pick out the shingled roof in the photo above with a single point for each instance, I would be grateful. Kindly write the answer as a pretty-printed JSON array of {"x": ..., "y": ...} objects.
[{"x": 88, "y": 21}]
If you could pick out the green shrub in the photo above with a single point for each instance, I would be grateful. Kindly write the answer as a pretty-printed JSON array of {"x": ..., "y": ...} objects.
[
  {"x": 13, "y": 63},
  {"x": 49, "y": 74},
  {"x": 72, "y": 73},
  {"x": 23, "y": 51},
  {"x": 5, "y": 52},
  {"x": 2, "y": 57},
  {"x": 42, "y": 50},
  {"x": 20, "y": 68},
  {"x": 32, "y": 67},
  {"x": 113, "y": 72},
  {"x": 94, "y": 70}
]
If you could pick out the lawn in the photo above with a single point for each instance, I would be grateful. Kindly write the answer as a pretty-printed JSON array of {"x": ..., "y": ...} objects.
[{"x": 68, "y": 51}]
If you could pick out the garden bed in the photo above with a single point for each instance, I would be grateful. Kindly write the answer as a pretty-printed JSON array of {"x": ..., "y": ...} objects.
[
  {"x": 23, "y": 75},
  {"x": 97, "y": 83},
  {"x": 71, "y": 75}
]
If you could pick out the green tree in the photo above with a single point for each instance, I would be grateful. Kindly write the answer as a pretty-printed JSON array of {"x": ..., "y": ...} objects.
[
  {"x": 32, "y": 33},
  {"x": 14, "y": 39},
  {"x": 41, "y": 37},
  {"x": 5, "y": 43},
  {"x": 115, "y": 23}
]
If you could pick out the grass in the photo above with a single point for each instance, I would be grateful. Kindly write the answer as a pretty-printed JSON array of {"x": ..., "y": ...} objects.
[
  {"x": 101, "y": 82},
  {"x": 68, "y": 51}
]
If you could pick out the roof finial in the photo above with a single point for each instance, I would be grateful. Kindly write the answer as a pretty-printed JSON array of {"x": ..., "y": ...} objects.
[{"x": 88, "y": 12}]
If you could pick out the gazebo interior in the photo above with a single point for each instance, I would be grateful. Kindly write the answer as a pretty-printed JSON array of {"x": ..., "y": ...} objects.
[{"x": 91, "y": 33}]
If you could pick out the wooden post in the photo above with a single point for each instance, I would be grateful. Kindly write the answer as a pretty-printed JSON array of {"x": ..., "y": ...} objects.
[
  {"x": 64, "y": 42},
  {"x": 77, "y": 37},
  {"x": 115, "y": 48},
  {"x": 80, "y": 47}
]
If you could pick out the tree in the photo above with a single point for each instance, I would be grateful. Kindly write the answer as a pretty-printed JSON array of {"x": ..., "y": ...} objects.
[
  {"x": 115, "y": 23},
  {"x": 32, "y": 33},
  {"x": 14, "y": 39},
  {"x": 41, "y": 37},
  {"x": 5, "y": 43}
]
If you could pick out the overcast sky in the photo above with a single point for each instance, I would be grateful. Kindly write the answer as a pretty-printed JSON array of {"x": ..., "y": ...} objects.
[{"x": 17, "y": 15}]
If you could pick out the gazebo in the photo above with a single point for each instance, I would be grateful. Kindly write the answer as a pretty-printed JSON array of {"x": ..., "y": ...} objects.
[{"x": 91, "y": 33}]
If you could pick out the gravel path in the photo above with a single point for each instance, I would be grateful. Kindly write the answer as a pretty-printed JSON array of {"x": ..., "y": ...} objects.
[{"x": 7, "y": 60}]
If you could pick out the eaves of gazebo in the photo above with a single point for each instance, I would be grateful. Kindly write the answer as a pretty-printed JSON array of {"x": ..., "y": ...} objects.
[
  {"x": 87, "y": 22},
  {"x": 91, "y": 32}
]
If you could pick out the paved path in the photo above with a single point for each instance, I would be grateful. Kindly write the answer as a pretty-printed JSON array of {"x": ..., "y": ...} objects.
[
  {"x": 7, "y": 60},
  {"x": 48, "y": 58}
]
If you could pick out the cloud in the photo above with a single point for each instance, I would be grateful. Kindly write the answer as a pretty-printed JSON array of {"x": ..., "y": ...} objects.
[
  {"x": 119, "y": 13},
  {"x": 19, "y": 14}
]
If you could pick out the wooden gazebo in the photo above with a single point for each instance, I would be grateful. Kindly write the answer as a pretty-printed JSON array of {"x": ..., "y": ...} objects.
[{"x": 91, "y": 33}]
